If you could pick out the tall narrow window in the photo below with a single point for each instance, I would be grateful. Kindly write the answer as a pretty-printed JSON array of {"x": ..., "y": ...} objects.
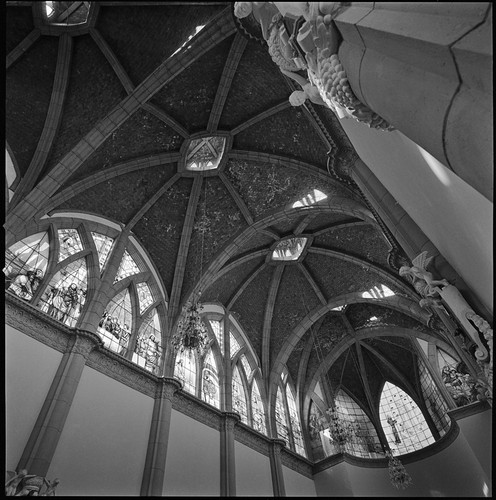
[
  {"x": 148, "y": 351},
  {"x": 233, "y": 344},
  {"x": 246, "y": 366},
  {"x": 257, "y": 409},
  {"x": 127, "y": 268},
  {"x": 210, "y": 381},
  {"x": 145, "y": 297},
  {"x": 295, "y": 423},
  {"x": 115, "y": 326},
  {"x": 281, "y": 420},
  {"x": 185, "y": 370},
  {"x": 238, "y": 396},
  {"x": 65, "y": 295},
  {"x": 25, "y": 265},
  {"x": 319, "y": 441},
  {"x": 103, "y": 247},
  {"x": 404, "y": 424},
  {"x": 217, "y": 328}
]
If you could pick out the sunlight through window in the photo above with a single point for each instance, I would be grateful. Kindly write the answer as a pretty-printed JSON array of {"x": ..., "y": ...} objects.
[
  {"x": 310, "y": 199},
  {"x": 378, "y": 292},
  {"x": 289, "y": 249}
]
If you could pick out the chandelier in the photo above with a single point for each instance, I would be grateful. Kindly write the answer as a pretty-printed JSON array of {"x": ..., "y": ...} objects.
[
  {"x": 397, "y": 473},
  {"x": 341, "y": 431},
  {"x": 191, "y": 332}
]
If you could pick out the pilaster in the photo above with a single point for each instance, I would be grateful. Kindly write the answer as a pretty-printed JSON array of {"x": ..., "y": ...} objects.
[
  {"x": 227, "y": 454},
  {"x": 42, "y": 442},
  {"x": 275, "y": 447},
  {"x": 156, "y": 454}
]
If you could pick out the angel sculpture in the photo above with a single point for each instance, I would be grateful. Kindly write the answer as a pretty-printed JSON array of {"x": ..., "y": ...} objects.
[{"x": 421, "y": 279}]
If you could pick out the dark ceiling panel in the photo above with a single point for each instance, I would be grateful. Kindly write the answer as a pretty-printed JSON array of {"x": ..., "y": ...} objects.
[{"x": 18, "y": 25}]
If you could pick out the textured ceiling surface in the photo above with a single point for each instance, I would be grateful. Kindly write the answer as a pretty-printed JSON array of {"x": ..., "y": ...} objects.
[{"x": 221, "y": 82}]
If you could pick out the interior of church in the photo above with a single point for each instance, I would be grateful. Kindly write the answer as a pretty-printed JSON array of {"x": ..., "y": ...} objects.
[{"x": 248, "y": 249}]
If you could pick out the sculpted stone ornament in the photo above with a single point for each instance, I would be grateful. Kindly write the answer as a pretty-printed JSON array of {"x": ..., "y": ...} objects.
[
  {"x": 318, "y": 39},
  {"x": 23, "y": 484},
  {"x": 431, "y": 290}
]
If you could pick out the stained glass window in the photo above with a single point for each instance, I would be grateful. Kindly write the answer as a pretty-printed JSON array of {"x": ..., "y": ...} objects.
[
  {"x": 218, "y": 332},
  {"x": 185, "y": 370},
  {"x": 67, "y": 13},
  {"x": 148, "y": 350},
  {"x": 145, "y": 297},
  {"x": 238, "y": 396},
  {"x": 289, "y": 249},
  {"x": 295, "y": 423},
  {"x": 257, "y": 409},
  {"x": 25, "y": 265},
  {"x": 434, "y": 401},
  {"x": 115, "y": 326},
  {"x": 205, "y": 153},
  {"x": 127, "y": 267},
  {"x": 246, "y": 366},
  {"x": 234, "y": 345},
  {"x": 317, "y": 424},
  {"x": 365, "y": 441},
  {"x": 103, "y": 247},
  {"x": 69, "y": 243},
  {"x": 281, "y": 421},
  {"x": 65, "y": 295},
  {"x": 210, "y": 381},
  {"x": 404, "y": 424},
  {"x": 311, "y": 198}
]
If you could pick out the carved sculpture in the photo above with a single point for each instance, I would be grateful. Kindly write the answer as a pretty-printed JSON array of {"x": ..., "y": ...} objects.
[
  {"x": 431, "y": 290},
  {"x": 318, "y": 40},
  {"x": 23, "y": 484}
]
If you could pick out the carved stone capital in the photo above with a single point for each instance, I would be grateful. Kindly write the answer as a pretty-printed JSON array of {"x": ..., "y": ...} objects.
[
  {"x": 276, "y": 445},
  {"x": 84, "y": 342},
  {"x": 230, "y": 420},
  {"x": 167, "y": 387}
]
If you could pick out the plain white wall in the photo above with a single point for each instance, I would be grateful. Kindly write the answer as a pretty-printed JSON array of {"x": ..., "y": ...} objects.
[
  {"x": 297, "y": 485},
  {"x": 193, "y": 458},
  {"x": 29, "y": 370},
  {"x": 253, "y": 476},
  {"x": 102, "y": 449}
]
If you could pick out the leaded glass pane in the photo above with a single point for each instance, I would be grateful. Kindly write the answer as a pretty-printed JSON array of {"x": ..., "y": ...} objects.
[
  {"x": 218, "y": 332},
  {"x": 65, "y": 295},
  {"x": 246, "y": 366},
  {"x": 148, "y": 350},
  {"x": 127, "y": 268},
  {"x": 238, "y": 396},
  {"x": 185, "y": 370},
  {"x": 69, "y": 243},
  {"x": 317, "y": 424},
  {"x": 205, "y": 153},
  {"x": 364, "y": 441},
  {"x": 25, "y": 265},
  {"x": 404, "y": 424},
  {"x": 210, "y": 381},
  {"x": 281, "y": 420},
  {"x": 289, "y": 249},
  {"x": 233, "y": 344},
  {"x": 295, "y": 423},
  {"x": 115, "y": 326},
  {"x": 258, "y": 412},
  {"x": 103, "y": 247},
  {"x": 434, "y": 401},
  {"x": 145, "y": 297}
]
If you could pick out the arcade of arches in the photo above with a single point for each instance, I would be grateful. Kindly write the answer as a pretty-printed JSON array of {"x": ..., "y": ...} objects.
[{"x": 178, "y": 167}]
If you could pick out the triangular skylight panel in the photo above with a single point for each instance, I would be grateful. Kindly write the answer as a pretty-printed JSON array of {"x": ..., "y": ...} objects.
[
  {"x": 69, "y": 243},
  {"x": 127, "y": 268},
  {"x": 144, "y": 295},
  {"x": 205, "y": 153},
  {"x": 103, "y": 246},
  {"x": 289, "y": 249}
]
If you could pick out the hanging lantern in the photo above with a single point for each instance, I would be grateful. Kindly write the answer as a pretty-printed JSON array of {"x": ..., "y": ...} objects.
[
  {"x": 191, "y": 331},
  {"x": 397, "y": 473},
  {"x": 341, "y": 431}
]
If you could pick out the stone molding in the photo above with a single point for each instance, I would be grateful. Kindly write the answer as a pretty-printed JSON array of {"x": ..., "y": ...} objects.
[
  {"x": 167, "y": 387},
  {"x": 197, "y": 409},
  {"x": 296, "y": 462},
  {"x": 231, "y": 419},
  {"x": 84, "y": 342},
  {"x": 251, "y": 438},
  {"x": 468, "y": 410}
]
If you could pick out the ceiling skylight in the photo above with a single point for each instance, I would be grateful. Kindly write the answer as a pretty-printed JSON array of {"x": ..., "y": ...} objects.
[
  {"x": 310, "y": 199},
  {"x": 205, "y": 153},
  {"x": 378, "y": 292},
  {"x": 289, "y": 249}
]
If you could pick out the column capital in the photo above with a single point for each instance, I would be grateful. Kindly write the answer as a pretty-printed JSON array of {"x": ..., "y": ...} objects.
[
  {"x": 277, "y": 445},
  {"x": 84, "y": 342},
  {"x": 231, "y": 419},
  {"x": 167, "y": 387}
]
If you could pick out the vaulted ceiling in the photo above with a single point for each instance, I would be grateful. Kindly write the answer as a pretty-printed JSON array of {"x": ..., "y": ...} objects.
[{"x": 99, "y": 121}]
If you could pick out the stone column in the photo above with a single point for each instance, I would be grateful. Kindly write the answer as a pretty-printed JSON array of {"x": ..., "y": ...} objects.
[
  {"x": 227, "y": 455},
  {"x": 42, "y": 442},
  {"x": 426, "y": 68},
  {"x": 154, "y": 472},
  {"x": 275, "y": 448}
]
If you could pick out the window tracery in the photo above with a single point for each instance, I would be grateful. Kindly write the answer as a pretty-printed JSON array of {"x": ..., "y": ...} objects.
[
  {"x": 218, "y": 330},
  {"x": 210, "y": 380},
  {"x": 281, "y": 419},
  {"x": 402, "y": 420},
  {"x": 145, "y": 296},
  {"x": 257, "y": 408},
  {"x": 127, "y": 267},
  {"x": 69, "y": 243},
  {"x": 104, "y": 246},
  {"x": 289, "y": 249},
  {"x": 205, "y": 153},
  {"x": 148, "y": 350},
  {"x": 238, "y": 396},
  {"x": 115, "y": 325},
  {"x": 185, "y": 370},
  {"x": 294, "y": 423}
]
